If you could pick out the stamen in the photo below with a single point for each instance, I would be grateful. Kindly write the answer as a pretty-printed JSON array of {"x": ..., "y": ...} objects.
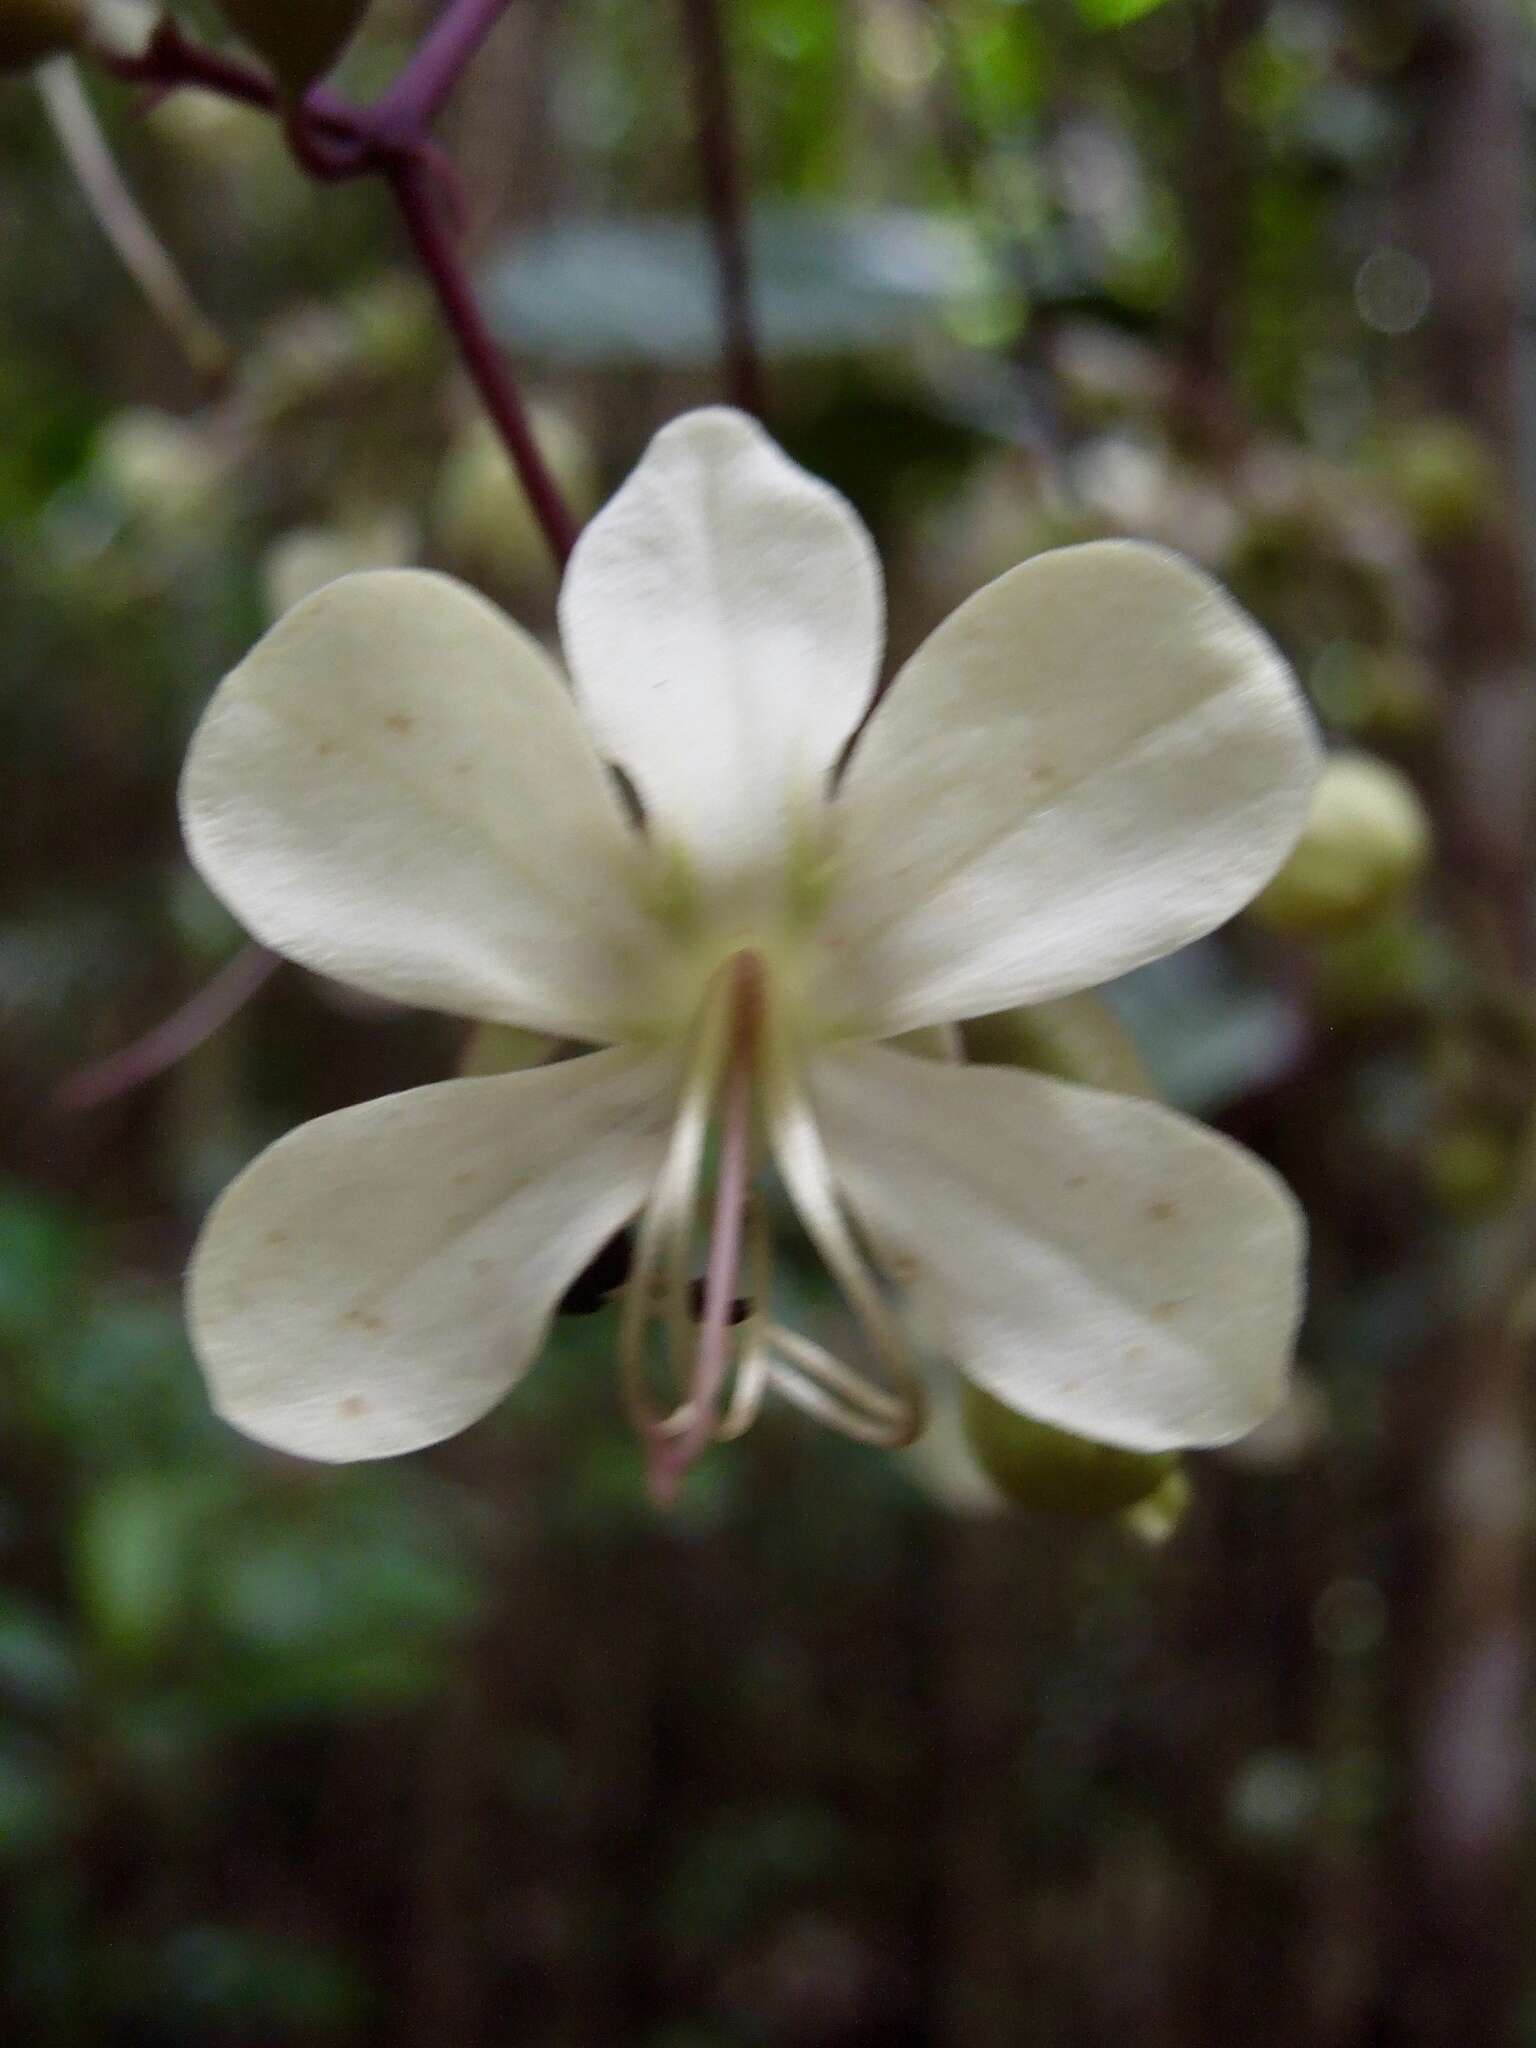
[
  {"x": 709, "y": 1325},
  {"x": 814, "y": 1362},
  {"x": 660, "y": 1268},
  {"x": 722, "y": 1267},
  {"x": 807, "y": 1174},
  {"x": 816, "y": 1401}
]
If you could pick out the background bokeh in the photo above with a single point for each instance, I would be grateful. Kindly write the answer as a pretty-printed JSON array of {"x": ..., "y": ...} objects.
[{"x": 474, "y": 1748}]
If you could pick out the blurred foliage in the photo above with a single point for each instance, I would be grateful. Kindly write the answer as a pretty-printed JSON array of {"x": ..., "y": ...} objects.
[{"x": 978, "y": 231}]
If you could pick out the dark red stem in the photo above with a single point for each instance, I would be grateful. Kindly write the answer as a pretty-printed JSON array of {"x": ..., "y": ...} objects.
[
  {"x": 415, "y": 99},
  {"x": 332, "y": 139},
  {"x": 481, "y": 358}
]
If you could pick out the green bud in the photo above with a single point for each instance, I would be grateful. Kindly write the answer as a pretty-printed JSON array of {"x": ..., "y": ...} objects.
[
  {"x": 1472, "y": 1168},
  {"x": 306, "y": 558},
  {"x": 1380, "y": 967},
  {"x": 161, "y": 470},
  {"x": 300, "y": 39},
  {"x": 1045, "y": 1468},
  {"x": 1075, "y": 1038},
  {"x": 503, "y": 1049},
  {"x": 1365, "y": 843},
  {"x": 32, "y": 30},
  {"x": 480, "y": 511},
  {"x": 1443, "y": 475}
]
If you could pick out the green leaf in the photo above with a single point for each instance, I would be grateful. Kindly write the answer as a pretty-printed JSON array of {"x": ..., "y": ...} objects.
[
  {"x": 824, "y": 283},
  {"x": 1116, "y": 13},
  {"x": 135, "y": 1548},
  {"x": 38, "y": 1668}
]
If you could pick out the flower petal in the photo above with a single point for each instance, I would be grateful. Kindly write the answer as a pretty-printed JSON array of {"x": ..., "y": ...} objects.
[
  {"x": 1100, "y": 1263},
  {"x": 378, "y": 1279},
  {"x": 395, "y": 788},
  {"x": 1096, "y": 759},
  {"x": 722, "y": 621}
]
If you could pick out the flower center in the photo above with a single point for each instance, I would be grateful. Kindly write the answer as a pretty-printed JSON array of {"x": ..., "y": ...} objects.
[{"x": 722, "y": 1356}]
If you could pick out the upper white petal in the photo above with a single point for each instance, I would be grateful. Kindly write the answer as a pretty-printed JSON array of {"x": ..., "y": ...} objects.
[
  {"x": 395, "y": 788},
  {"x": 722, "y": 619},
  {"x": 1103, "y": 1264},
  {"x": 379, "y": 1278},
  {"x": 1096, "y": 759}
]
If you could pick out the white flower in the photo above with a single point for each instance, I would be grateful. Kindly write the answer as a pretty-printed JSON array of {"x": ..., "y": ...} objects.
[{"x": 1097, "y": 759}]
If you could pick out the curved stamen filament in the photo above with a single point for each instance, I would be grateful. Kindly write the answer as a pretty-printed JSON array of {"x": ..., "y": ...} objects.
[
  {"x": 732, "y": 1059},
  {"x": 806, "y": 1173},
  {"x": 752, "y": 1372},
  {"x": 660, "y": 1266},
  {"x": 820, "y": 1384},
  {"x": 812, "y": 1361},
  {"x": 720, "y": 1080},
  {"x": 714, "y": 1346}
]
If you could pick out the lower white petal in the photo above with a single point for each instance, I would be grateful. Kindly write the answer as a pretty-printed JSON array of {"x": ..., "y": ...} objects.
[
  {"x": 1100, "y": 1263},
  {"x": 378, "y": 1279}
]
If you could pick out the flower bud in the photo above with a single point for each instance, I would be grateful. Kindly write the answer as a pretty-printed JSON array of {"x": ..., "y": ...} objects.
[
  {"x": 31, "y": 30},
  {"x": 306, "y": 558},
  {"x": 1472, "y": 1168},
  {"x": 161, "y": 470},
  {"x": 481, "y": 515},
  {"x": 503, "y": 1049},
  {"x": 1443, "y": 474},
  {"x": 1365, "y": 842},
  {"x": 1045, "y": 1468},
  {"x": 300, "y": 39},
  {"x": 1075, "y": 1038}
]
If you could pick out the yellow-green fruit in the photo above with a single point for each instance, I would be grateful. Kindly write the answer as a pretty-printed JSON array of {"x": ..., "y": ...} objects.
[
  {"x": 1366, "y": 841},
  {"x": 1045, "y": 1468},
  {"x": 31, "y": 30},
  {"x": 300, "y": 39}
]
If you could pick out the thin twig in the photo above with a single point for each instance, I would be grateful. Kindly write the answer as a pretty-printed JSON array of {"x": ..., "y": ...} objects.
[
  {"x": 720, "y": 170},
  {"x": 331, "y": 139},
  {"x": 480, "y": 356},
  {"x": 174, "y": 1037},
  {"x": 118, "y": 214},
  {"x": 417, "y": 96}
]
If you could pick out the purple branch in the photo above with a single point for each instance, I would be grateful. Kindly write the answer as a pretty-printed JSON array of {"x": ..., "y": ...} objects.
[
  {"x": 723, "y": 198},
  {"x": 174, "y": 1037},
  {"x": 498, "y": 393},
  {"x": 415, "y": 99},
  {"x": 331, "y": 139}
]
